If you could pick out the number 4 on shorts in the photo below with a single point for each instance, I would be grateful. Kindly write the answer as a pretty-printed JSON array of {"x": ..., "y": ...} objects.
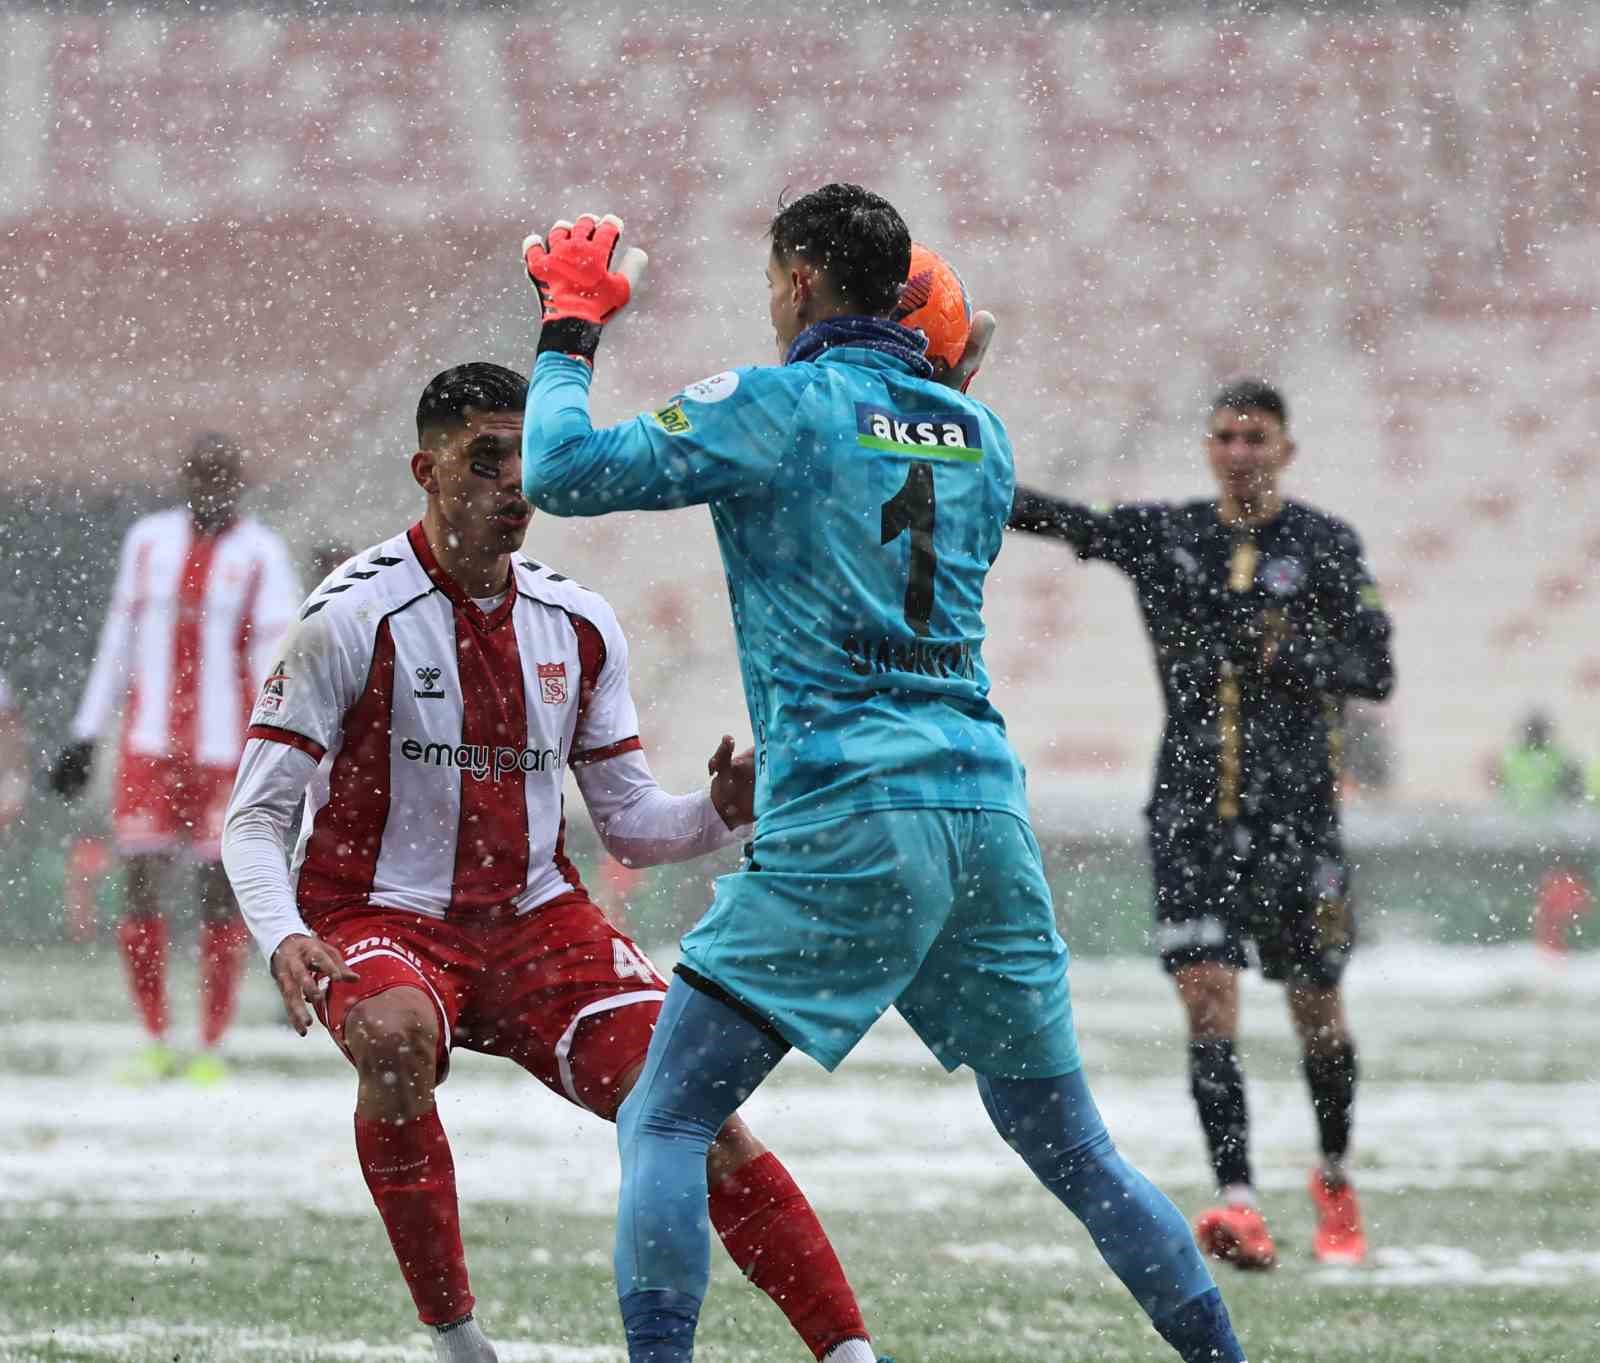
[{"x": 631, "y": 963}]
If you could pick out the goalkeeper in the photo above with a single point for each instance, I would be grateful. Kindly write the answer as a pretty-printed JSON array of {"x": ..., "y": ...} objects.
[{"x": 858, "y": 506}]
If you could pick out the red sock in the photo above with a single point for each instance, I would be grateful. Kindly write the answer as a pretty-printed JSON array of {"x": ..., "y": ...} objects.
[
  {"x": 143, "y": 938},
  {"x": 770, "y": 1231},
  {"x": 408, "y": 1168},
  {"x": 221, "y": 961}
]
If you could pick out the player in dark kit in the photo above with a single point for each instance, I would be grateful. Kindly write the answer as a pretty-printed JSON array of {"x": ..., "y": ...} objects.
[{"x": 1263, "y": 617}]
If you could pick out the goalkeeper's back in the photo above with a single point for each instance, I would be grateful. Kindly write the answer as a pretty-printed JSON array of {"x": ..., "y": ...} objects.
[{"x": 858, "y": 508}]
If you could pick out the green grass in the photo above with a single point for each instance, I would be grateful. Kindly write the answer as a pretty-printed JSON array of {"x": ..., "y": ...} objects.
[{"x": 176, "y": 1226}]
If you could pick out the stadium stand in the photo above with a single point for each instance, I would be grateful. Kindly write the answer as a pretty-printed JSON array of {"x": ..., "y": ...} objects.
[{"x": 281, "y": 225}]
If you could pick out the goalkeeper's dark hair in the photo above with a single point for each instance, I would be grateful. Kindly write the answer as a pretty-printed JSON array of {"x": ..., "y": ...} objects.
[
  {"x": 481, "y": 386},
  {"x": 1251, "y": 395},
  {"x": 855, "y": 237}
]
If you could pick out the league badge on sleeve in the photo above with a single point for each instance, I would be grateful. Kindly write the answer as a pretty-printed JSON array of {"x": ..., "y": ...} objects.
[
  {"x": 271, "y": 700},
  {"x": 553, "y": 683},
  {"x": 714, "y": 389}
]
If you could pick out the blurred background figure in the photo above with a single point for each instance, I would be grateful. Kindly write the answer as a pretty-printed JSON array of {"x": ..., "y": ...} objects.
[
  {"x": 1535, "y": 775},
  {"x": 1564, "y": 898},
  {"x": 202, "y": 597},
  {"x": 14, "y": 761}
]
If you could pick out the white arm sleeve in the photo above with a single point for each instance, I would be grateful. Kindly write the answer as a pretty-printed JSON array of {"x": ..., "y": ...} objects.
[
  {"x": 639, "y": 823},
  {"x": 255, "y": 838},
  {"x": 108, "y": 677}
]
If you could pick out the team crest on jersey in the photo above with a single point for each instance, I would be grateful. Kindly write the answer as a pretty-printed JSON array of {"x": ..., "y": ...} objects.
[
  {"x": 1283, "y": 576},
  {"x": 553, "y": 683}
]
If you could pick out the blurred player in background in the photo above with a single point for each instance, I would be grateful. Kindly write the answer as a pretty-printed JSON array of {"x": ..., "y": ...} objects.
[
  {"x": 201, "y": 601},
  {"x": 1264, "y": 618},
  {"x": 15, "y": 764},
  {"x": 428, "y": 706},
  {"x": 858, "y": 506}
]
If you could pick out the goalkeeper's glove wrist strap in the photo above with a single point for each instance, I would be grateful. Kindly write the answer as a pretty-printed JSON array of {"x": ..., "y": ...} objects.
[{"x": 570, "y": 336}]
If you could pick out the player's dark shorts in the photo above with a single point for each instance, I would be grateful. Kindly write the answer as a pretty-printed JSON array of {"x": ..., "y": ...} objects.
[
  {"x": 560, "y": 990},
  {"x": 1222, "y": 889}
]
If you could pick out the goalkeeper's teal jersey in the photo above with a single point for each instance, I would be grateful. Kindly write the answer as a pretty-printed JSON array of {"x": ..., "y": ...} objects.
[{"x": 858, "y": 509}]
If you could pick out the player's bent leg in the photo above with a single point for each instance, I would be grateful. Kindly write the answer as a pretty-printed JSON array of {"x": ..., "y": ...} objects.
[
  {"x": 142, "y": 938},
  {"x": 393, "y": 1040},
  {"x": 1056, "y": 1128},
  {"x": 772, "y": 1233},
  {"x": 706, "y": 1057}
]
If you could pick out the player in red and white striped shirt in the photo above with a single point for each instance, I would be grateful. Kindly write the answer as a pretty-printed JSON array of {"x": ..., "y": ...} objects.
[
  {"x": 13, "y": 760},
  {"x": 202, "y": 598},
  {"x": 428, "y": 706}
]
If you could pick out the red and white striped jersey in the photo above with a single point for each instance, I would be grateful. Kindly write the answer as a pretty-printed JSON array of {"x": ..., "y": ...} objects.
[
  {"x": 443, "y": 731},
  {"x": 195, "y": 621}
]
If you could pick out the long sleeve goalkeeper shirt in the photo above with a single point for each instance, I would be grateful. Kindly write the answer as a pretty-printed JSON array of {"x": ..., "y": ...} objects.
[{"x": 1259, "y": 633}]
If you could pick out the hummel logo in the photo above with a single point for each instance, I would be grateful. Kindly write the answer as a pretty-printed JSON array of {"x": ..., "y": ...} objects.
[{"x": 429, "y": 677}]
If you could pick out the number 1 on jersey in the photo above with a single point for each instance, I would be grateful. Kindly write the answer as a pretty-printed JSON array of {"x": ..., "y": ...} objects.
[{"x": 912, "y": 508}]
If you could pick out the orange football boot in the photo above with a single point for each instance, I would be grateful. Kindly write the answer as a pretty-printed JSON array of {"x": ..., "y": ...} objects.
[
  {"x": 1236, "y": 1235},
  {"x": 1339, "y": 1238}
]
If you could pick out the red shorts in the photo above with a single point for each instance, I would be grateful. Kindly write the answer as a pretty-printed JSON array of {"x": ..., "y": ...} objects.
[
  {"x": 167, "y": 804},
  {"x": 559, "y": 990}
]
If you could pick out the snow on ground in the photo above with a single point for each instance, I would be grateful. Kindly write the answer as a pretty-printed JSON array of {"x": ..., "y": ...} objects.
[
  {"x": 1419, "y": 1266},
  {"x": 889, "y": 1129},
  {"x": 135, "y": 1339}
]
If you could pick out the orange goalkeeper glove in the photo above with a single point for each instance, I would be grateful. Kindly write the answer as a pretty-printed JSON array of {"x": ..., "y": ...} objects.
[{"x": 579, "y": 292}]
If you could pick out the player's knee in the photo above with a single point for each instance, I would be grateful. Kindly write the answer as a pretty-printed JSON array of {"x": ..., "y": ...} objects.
[
  {"x": 394, "y": 1039},
  {"x": 627, "y": 1116},
  {"x": 734, "y": 1147}
]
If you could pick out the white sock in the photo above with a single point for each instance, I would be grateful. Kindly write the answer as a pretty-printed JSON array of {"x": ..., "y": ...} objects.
[
  {"x": 462, "y": 1343},
  {"x": 851, "y": 1351},
  {"x": 1239, "y": 1195}
]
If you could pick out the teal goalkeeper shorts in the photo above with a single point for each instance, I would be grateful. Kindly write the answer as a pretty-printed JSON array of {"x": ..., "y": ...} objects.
[{"x": 943, "y": 914}]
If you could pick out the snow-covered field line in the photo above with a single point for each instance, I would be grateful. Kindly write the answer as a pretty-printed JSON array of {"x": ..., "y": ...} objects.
[
  {"x": 137, "y": 1338},
  {"x": 866, "y": 1137}
]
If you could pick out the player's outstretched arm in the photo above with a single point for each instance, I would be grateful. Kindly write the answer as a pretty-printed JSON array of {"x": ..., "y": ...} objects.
[
  {"x": 579, "y": 291},
  {"x": 714, "y": 440},
  {"x": 1038, "y": 513},
  {"x": 642, "y": 825}
]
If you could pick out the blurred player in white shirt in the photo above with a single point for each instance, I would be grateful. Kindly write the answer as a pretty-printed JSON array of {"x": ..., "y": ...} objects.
[
  {"x": 14, "y": 762},
  {"x": 427, "y": 706},
  {"x": 202, "y": 598}
]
